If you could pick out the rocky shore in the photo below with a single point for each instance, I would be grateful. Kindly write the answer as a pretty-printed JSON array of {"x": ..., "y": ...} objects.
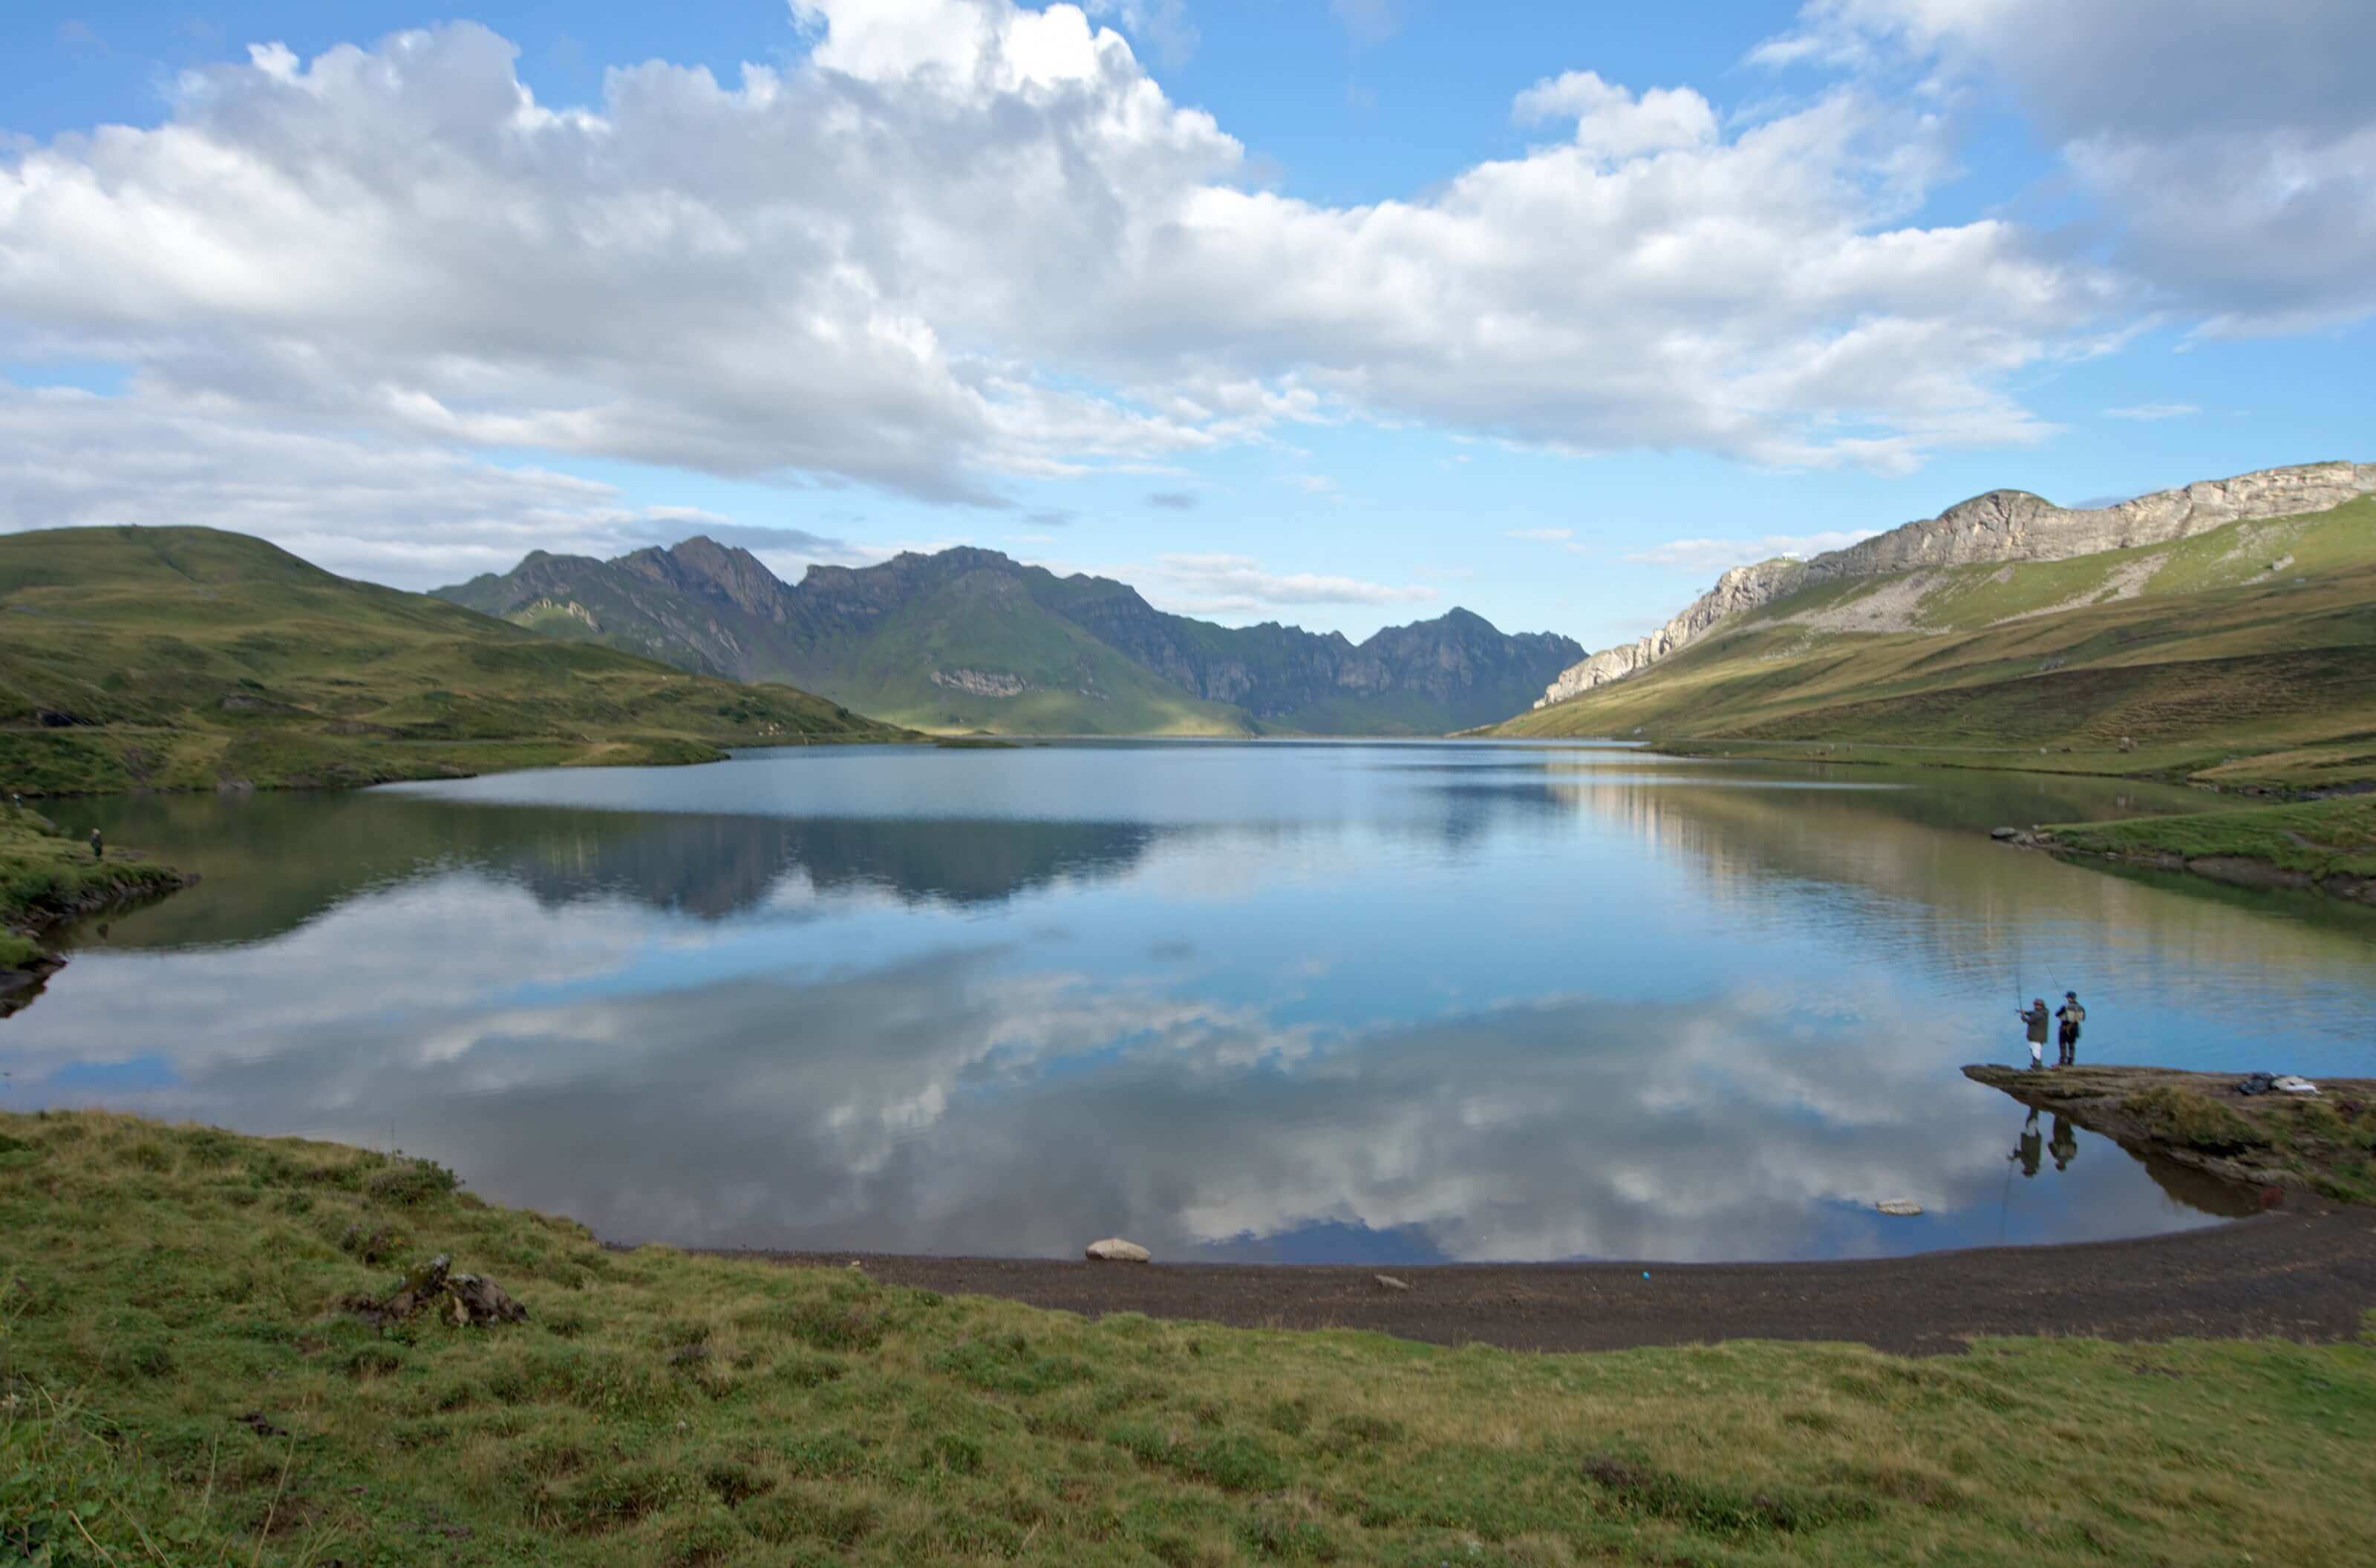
[{"x": 2274, "y": 1142}]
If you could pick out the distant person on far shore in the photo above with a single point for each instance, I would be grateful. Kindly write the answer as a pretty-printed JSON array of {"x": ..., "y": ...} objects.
[
  {"x": 98, "y": 849},
  {"x": 2072, "y": 1016},
  {"x": 2036, "y": 1019},
  {"x": 2027, "y": 1150},
  {"x": 2064, "y": 1145}
]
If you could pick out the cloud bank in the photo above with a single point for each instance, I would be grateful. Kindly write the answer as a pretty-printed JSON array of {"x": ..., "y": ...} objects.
[{"x": 964, "y": 244}]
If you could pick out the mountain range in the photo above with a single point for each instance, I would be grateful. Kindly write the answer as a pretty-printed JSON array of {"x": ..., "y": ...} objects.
[{"x": 968, "y": 640}]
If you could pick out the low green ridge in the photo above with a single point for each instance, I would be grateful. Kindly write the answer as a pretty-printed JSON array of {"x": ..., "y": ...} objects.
[
  {"x": 2244, "y": 657},
  {"x": 183, "y": 1384},
  {"x": 188, "y": 658}
]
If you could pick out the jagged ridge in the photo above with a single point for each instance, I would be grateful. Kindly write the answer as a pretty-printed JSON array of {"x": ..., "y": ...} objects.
[
  {"x": 968, "y": 636},
  {"x": 2001, "y": 525}
]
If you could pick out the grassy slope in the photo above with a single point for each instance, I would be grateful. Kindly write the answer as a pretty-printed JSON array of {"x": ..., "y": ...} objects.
[
  {"x": 2317, "y": 839},
  {"x": 192, "y": 658},
  {"x": 164, "y": 1284},
  {"x": 2218, "y": 669},
  {"x": 1079, "y": 685},
  {"x": 47, "y": 876}
]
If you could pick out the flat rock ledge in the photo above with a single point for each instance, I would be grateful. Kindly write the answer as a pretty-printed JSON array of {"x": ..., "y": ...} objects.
[{"x": 2272, "y": 1142}]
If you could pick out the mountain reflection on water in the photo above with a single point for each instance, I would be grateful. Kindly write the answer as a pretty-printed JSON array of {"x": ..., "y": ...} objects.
[{"x": 1389, "y": 1002}]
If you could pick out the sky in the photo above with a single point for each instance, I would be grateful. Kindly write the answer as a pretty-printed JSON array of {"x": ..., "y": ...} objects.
[{"x": 1339, "y": 313}]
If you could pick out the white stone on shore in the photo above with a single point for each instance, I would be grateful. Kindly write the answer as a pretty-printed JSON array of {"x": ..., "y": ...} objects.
[
  {"x": 1391, "y": 1283},
  {"x": 1113, "y": 1248}
]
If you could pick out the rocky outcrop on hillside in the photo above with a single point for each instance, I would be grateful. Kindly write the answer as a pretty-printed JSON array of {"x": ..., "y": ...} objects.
[{"x": 2003, "y": 525}]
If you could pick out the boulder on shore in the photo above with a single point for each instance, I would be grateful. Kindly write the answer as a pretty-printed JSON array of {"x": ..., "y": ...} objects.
[{"x": 1113, "y": 1248}]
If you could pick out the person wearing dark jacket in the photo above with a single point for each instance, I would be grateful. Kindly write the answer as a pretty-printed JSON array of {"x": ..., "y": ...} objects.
[
  {"x": 2067, "y": 1036},
  {"x": 2026, "y": 1149},
  {"x": 2064, "y": 1145},
  {"x": 98, "y": 849},
  {"x": 2036, "y": 1019}
]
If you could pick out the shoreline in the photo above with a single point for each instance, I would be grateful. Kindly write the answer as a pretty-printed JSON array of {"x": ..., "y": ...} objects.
[
  {"x": 2322, "y": 1144},
  {"x": 2247, "y": 872},
  {"x": 2326, "y": 846},
  {"x": 675, "y": 752},
  {"x": 2306, "y": 1271}
]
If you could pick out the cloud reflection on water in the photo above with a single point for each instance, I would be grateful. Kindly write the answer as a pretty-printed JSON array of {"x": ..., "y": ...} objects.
[
  {"x": 954, "y": 1102},
  {"x": 1396, "y": 1002}
]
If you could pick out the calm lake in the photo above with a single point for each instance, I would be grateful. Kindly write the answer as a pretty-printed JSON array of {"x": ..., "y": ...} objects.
[{"x": 1386, "y": 1003}]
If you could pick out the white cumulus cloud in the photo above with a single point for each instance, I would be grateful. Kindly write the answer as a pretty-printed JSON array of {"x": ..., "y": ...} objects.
[
  {"x": 404, "y": 512},
  {"x": 2232, "y": 143},
  {"x": 1237, "y": 585}
]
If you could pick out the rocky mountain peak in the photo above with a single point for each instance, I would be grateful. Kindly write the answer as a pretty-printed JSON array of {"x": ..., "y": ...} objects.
[{"x": 2002, "y": 524}]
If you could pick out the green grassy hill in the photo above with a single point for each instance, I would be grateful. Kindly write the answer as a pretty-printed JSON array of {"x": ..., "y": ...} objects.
[
  {"x": 984, "y": 628},
  {"x": 192, "y": 658},
  {"x": 2244, "y": 656}
]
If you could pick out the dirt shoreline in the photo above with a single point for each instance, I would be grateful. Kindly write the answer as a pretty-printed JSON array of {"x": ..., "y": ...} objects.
[{"x": 2305, "y": 1272}]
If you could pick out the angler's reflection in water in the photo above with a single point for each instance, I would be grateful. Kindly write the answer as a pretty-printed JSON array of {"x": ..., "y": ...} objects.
[
  {"x": 2064, "y": 1145},
  {"x": 2026, "y": 1149}
]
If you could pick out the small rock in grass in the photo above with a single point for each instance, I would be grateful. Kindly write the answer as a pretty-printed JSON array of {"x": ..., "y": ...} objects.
[
  {"x": 1391, "y": 1283},
  {"x": 2004, "y": 835},
  {"x": 1113, "y": 1248},
  {"x": 1904, "y": 1208}
]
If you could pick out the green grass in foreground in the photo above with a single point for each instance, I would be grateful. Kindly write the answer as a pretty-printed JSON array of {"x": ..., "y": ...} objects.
[
  {"x": 181, "y": 1387},
  {"x": 2319, "y": 838},
  {"x": 46, "y": 876}
]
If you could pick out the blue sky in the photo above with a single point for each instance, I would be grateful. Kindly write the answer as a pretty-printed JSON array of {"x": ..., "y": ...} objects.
[{"x": 1336, "y": 311}]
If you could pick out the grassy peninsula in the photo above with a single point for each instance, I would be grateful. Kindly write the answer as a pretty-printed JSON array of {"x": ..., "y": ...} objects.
[
  {"x": 47, "y": 877},
  {"x": 2244, "y": 657},
  {"x": 190, "y": 658},
  {"x": 2330, "y": 844},
  {"x": 187, "y": 1380}
]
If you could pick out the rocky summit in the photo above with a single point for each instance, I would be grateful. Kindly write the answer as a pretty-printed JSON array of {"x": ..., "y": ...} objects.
[{"x": 2001, "y": 525}]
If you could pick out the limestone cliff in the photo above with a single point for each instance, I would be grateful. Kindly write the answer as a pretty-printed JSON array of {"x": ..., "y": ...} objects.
[{"x": 2003, "y": 525}]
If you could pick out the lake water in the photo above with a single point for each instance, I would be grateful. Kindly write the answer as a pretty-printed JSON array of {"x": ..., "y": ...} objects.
[{"x": 1383, "y": 1002}]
